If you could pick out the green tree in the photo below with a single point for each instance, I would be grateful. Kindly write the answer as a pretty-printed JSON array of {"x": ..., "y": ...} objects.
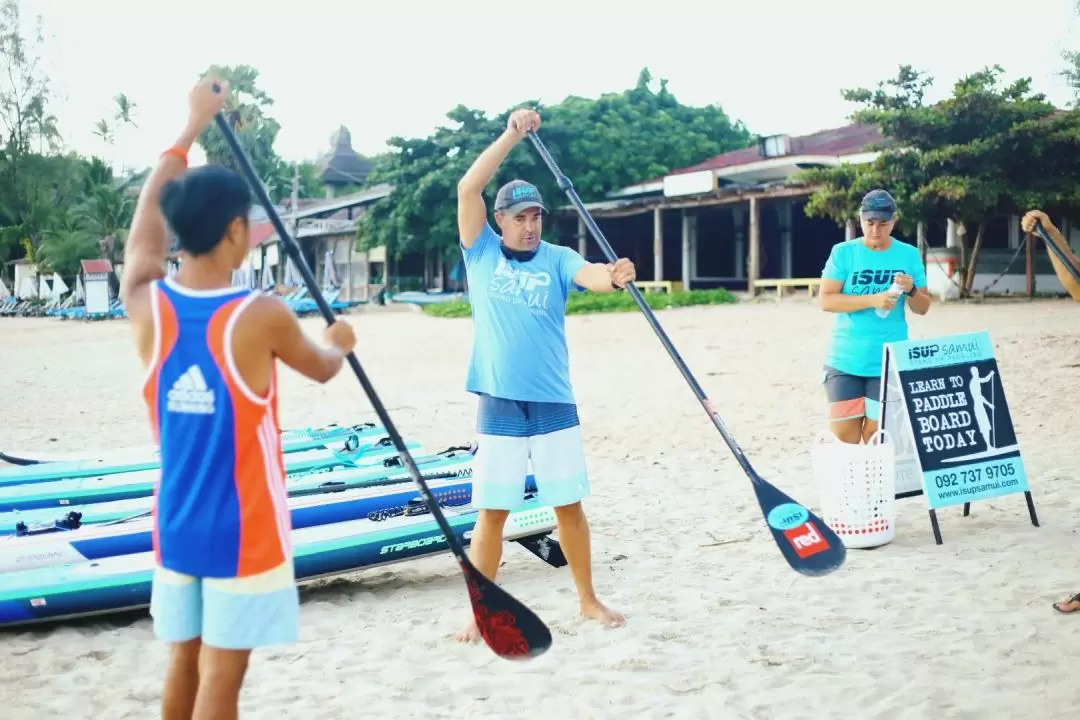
[
  {"x": 991, "y": 148},
  {"x": 56, "y": 207},
  {"x": 96, "y": 223},
  {"x": 248, "y": 114},
  {"x": 29, "y": 191},
  {"x": 602, "y": 144}
]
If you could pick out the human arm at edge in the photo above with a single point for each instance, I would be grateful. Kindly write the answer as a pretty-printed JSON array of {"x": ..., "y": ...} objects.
[{"x": 471, "y": 210}]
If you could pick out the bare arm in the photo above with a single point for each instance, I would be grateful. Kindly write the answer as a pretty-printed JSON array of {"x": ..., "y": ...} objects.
[
  {"x": 1046, "y": 223},
  {"x": 832, "y": 299},
  {"x": 472, "y": 212},
  {"x": 147, "y": 242},
  {"x": 294, "y": 347},
  {"x": 919, "y": 302},
  {"x": 595, "y": 277}
]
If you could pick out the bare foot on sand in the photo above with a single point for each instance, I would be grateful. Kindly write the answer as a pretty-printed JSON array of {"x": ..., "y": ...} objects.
[
  {"x": 1068, "y": 607},
  {"x": 596, "y": 611},
  {"x": 471, "y": 634}
]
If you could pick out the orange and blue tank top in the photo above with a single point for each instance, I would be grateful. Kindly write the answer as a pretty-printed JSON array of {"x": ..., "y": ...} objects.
[{"x": 220, "y": 506}]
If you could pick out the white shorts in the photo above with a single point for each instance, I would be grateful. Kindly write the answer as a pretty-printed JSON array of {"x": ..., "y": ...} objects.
[{"x": 514, "y": 434}]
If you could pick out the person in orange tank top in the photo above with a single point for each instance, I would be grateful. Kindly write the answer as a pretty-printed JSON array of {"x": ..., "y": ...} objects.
[{"x": 224, "y": 583}]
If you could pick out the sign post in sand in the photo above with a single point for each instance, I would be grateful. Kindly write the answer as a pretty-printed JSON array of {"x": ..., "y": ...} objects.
[{"x": 944, "y": 404}]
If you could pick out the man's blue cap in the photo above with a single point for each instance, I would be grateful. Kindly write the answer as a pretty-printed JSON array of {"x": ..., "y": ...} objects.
[{"x": 877, "y": 205}]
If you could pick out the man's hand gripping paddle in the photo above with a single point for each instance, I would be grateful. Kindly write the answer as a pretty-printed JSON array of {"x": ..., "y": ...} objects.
[
  {"x": 509, "y": 628},
  {"x": 807, "y": 543}
]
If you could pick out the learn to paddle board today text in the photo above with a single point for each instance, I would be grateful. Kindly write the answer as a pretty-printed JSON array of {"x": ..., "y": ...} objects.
[{"x": 941, "y": 425}]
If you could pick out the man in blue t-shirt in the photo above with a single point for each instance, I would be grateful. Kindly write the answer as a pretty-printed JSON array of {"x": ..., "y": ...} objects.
[
  {"x": 520, "y": 367},
  {"x": 857, "y": 280}
]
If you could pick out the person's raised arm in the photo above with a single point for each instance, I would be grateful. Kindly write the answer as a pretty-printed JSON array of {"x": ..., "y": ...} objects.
[
  {"x": 147, "y": 243},
  {"x": 292, "y": 346},
  {"x": 472, "y": 212}
]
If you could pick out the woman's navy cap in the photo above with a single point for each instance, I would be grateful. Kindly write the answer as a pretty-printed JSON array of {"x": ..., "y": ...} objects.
[{"x": 877, "y": 205}]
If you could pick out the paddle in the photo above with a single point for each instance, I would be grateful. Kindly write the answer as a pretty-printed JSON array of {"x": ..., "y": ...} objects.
[
  {"x": 509, "y": 628},
  {"x": 1053, "y": 248},
  {"x": 807, "y": 543}
]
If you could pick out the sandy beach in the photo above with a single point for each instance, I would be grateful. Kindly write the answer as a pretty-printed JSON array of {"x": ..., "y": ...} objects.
[{"x": 719, "y": 627}]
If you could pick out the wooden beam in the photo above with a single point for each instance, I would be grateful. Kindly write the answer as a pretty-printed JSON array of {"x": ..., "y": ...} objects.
[
  {"x": 687, "y": 248},
  {"x": 701, "y": 201},
  {"x": 350, "y": 296},
  {"x": 658, "y": 244},
  {"x": 753, "y": 271}
]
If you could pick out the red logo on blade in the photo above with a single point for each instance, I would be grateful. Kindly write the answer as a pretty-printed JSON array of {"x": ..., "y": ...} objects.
[{"x": 806, "y": 540}]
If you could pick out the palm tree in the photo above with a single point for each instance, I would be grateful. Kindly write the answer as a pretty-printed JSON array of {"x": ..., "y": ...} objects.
[
  {"x": 125, "y": 109},
  {"x": 104, "y": 131}
]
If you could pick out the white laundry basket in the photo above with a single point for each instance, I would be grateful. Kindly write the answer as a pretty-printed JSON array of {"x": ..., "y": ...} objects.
[{"x": 857, "y": 484}]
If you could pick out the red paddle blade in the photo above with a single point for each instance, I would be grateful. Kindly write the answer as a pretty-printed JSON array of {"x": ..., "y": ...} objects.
[
  {"x": 807, "y": 543},
  {"x": 510, "y": 629}
]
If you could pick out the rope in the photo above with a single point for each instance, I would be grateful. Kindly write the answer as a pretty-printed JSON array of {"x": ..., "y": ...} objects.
[{"x": 1008, "y": 267}]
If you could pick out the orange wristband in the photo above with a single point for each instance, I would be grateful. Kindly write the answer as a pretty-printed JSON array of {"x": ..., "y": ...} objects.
[{"x": 180, "y": 153}]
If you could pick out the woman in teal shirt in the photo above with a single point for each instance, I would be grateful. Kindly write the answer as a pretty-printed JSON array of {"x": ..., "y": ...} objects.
[{"x": 857, "y": 285}]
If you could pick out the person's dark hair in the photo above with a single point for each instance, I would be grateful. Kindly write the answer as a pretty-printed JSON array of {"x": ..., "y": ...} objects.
[{"x": 200, "y": 204}]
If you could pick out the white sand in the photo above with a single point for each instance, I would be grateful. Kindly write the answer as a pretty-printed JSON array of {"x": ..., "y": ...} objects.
[{"x": 718, "y": 625}]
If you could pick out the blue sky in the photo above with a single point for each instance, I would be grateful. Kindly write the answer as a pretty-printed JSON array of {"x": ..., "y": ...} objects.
[{"x": 385, "y": 69}]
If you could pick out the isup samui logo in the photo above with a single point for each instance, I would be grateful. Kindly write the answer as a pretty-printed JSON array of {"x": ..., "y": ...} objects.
[{"x": 794, "y": 522}]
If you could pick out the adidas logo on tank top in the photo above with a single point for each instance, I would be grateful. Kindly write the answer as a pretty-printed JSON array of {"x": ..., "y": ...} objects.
[{"x": 190, "y": 395}]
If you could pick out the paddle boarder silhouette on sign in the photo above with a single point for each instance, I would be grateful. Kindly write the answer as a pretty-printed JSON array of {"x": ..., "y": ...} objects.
[{"x": 979, "y": 404}]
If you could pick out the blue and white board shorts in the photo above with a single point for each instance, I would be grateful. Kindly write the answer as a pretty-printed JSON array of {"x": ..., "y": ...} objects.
[
  {"x": 228, "y": 613},
  {"x": 514, "y": 434}
]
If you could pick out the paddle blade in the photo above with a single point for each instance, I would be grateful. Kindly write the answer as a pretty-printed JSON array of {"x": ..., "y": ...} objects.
[
  {"x": 546, "y": 548},
  {"x": 807, "y": 543},
  {"x": 510, "y": 629}
]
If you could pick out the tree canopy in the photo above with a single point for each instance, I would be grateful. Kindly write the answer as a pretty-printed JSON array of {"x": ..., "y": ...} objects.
[
  {"x": 58, "y": 207},
  {"x": 55, "y": 206},
  {"x": 989, "y": 149},
  {"x": 248, "y": 112},
  {"x": 612, "y": 141}
]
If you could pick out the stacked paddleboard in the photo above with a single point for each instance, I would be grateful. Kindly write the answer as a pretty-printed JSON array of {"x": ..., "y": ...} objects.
[{"x": 75, "y": 533}]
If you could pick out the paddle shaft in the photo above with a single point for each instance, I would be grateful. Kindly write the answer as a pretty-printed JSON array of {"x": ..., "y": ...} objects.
[
  {"x": 293, "y": 250},
  {"x": 1050, "y": 244},
  {"x": 567, "y": 187}
]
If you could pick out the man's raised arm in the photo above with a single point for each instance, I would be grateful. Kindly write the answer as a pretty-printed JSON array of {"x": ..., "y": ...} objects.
[{"x": 472, "y": 213}]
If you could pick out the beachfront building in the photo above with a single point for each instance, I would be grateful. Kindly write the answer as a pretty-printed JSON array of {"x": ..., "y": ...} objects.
[
  {"x": 326, "y": 229},
  {"x": 738, "y": 221},
  {"x": 341, "y": 167}
]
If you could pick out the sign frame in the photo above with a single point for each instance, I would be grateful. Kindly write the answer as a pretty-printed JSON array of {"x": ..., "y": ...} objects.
[{"x": 935, "y": 382}]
